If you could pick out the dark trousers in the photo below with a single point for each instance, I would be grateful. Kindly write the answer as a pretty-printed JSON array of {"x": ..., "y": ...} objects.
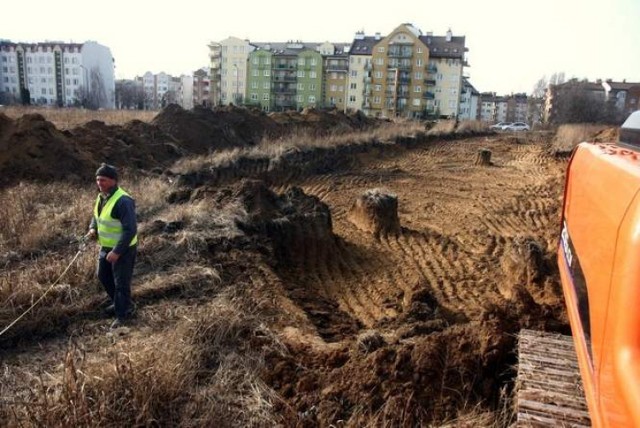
[{"x": 116, "y": 279}]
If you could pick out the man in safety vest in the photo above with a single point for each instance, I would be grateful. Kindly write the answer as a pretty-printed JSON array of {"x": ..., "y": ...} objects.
[{"x": 115, "y": 227}]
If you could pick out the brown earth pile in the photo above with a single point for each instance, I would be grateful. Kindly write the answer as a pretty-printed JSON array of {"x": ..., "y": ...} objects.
[{"x": 31, "y": 148}]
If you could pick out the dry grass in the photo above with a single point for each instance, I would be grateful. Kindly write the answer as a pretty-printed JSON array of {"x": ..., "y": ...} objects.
[
  {"x": 68, "y": 118},
  {"x": 299, "y": 141}
]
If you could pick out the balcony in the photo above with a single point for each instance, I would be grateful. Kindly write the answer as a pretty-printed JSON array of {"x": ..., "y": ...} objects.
[
  {"x": 284, "y": 78},
  {"x": 338, "y": 67},
  {"x": 431, "y": 69},
  {"x": 430, "y": 81},
  {"x": 397, "y": 53},
  {"x": 428, "y": 95},
  {"x": 401, "y": 66},
  {"x": 284, "y": 90}
]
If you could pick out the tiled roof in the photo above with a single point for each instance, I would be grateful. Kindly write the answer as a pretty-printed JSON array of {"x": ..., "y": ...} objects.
[
  {"x": 294, "y": 48},
  {"x": 363, "y": 46},
  {"x": 439, "y": 47}
]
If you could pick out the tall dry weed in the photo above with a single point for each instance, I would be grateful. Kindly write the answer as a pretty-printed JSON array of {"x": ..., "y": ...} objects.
[{"x": 68, "y": 118}]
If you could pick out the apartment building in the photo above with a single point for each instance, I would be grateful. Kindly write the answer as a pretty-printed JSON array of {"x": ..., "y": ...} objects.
[
  {"x": 469, "y": 102},
  {"x": 624, "y": 95},
  {"x": 336, "y": 75},
  {"x": 360, "y": 72},
  {"x": 228, "y": 64},
  {"x": 403, "y": 74},
  {"x": 57, "y": 73},
  {"x": 399, "y": 66},
  {"x": 517, "y": 108}
]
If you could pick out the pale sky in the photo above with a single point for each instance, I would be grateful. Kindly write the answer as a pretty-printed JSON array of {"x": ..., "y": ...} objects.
[{"x": 512, "y": 43}]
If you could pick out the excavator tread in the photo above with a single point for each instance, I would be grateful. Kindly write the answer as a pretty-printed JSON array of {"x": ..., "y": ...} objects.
[{"x": 549, "y": 390}]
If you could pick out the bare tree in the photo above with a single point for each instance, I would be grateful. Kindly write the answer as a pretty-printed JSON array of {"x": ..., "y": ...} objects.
[
  {"x": 540, "y": 88},
  {"x": 575, "y": 103}
]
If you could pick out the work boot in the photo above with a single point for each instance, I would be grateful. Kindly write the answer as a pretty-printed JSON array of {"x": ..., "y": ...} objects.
[
  {"x": 118, "y": 322},
  {"x": 110, "y": 310}
]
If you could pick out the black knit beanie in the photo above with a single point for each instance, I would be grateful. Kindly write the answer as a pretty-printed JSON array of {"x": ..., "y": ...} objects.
[{"x": 106, "y": 170}]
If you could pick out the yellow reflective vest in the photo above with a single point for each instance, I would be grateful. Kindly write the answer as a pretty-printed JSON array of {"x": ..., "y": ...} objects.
[{"x": 109, "y": 228}]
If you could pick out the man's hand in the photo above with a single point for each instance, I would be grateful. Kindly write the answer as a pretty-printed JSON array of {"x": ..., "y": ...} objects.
[
  {"x": 112, "y": 257},
  {"x": 91, "y": 235}
]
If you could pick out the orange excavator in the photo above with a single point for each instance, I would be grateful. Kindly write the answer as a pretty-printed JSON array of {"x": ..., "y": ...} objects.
[
  {"x": 592, "y": 378},
  {"x": 599, "y": 261}
]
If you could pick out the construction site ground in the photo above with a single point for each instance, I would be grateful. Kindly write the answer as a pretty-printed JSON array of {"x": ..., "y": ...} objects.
[{"x": 261, "y": 303}]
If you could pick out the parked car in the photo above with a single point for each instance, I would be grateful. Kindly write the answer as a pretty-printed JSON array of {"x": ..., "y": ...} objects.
[
  {"x": 517, "y": 126},
  {"x": 499, "y": 126}
]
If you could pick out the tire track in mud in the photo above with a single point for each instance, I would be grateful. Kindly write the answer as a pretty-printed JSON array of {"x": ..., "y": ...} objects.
[{"x": 458, "y": 258}]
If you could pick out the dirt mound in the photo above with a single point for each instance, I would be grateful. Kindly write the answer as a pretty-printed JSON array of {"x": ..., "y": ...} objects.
[
  {"x": 134, "y": 145},
  {"x": 31, "y": 147},
  {"x": 293, "y": 221},
  {"x": 395, "y": 384},
  {"x": 203, "y": 130},
  {"x": 322, "y": 122}
]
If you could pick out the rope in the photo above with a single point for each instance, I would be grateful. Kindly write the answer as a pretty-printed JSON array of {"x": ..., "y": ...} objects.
[{"x": 44, "y": 294}]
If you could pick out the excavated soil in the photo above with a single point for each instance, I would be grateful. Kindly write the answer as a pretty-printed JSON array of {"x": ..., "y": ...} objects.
[{"x": 391, "y": 329}]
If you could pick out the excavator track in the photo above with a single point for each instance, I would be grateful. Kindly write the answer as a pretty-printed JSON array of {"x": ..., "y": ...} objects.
[{"x": 549, "y": 390}]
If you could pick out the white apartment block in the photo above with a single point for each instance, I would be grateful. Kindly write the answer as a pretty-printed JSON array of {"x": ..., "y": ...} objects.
[
  {"x": 469, "y": 101},
  {"x": 56, "y": 73}
]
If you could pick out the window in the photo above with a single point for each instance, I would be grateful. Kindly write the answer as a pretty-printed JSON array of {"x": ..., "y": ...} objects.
[
  {"x": 266, "y": 73},
  {"x": 419, "y": 49},
  {"x": 312, "y": 98},
  {"x": 381, "y": 49},
  {"x": 314, "y": 61},
  {"x": 378, "y": 74},
  {"x": 300, "y": 61},
  {"x": 417, "y": 89},
  {"x": 354, "y": 73},
  {"x": 255, "y": 60},
  {"x": 254, "y": 73},
  {"x": 380, "y": 61},
  {"x": 300, "y": 73},
  {"x": 416, "y": 102},
  {"x": 254, "y": 85},
  {"x": 376, "y": 100},
  {"x": 299, "y": 98},
  {"x": 254, "y": 97},
  {"x": 301, "y": 86},
  {"x": 312, "y": 86},
  {"x": 313, "y": 74},
  {"x": 266, "y": 85},
  {"x": 44, "y": 91},
  {"x": 265, "y": 97},
  {"x": 419, "y": 62},
  {"x": 418, "y": 75},
  {"x": 353, "y": 86},
  {"x": 333, "y": 88},
  {"x": 352, "y": 98},
  {"x": 377, "y": 88}
]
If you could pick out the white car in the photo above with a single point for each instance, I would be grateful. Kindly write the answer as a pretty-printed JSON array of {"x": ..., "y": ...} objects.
[
  {"x": 517, "y": 126},
  {"x": 500, "y": 126}
]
